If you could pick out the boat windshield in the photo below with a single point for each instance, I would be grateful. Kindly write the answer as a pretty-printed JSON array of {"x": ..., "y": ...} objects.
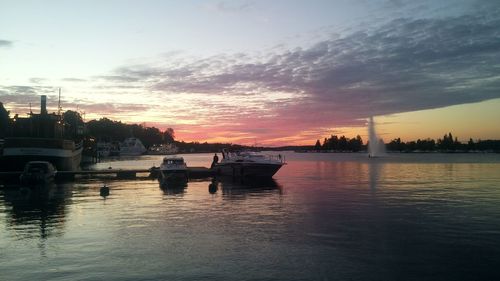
[{"x": 173, "y": 161}]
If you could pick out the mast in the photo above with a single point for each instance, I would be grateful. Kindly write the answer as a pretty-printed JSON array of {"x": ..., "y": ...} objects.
[{"x": 59, "y": 103}]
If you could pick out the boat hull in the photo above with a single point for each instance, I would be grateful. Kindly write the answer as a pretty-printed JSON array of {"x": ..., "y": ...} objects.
[
  {"x": 174, "y": 174},
  {"x": 36, "y": 178},
  {"x": 15, "y": 158},
  {"x": 255, "y": 170},
  {"x": 17, "y": 162},
  {"x": 173, "y": 178}
]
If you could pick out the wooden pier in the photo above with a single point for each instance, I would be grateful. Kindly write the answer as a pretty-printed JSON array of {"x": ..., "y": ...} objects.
[{"x": 193, "y": 173}]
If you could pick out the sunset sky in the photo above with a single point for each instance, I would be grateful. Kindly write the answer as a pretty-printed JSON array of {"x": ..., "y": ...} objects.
[{"x": 266, "y": 72}]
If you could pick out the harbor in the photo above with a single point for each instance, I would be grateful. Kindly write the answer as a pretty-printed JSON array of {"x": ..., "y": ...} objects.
[
  {"x": 54, "y": 146},
  {"x": 250, "y": 140}
]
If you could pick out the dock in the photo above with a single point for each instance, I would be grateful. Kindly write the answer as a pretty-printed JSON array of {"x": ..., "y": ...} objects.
[{"x": 153, "y": 172}]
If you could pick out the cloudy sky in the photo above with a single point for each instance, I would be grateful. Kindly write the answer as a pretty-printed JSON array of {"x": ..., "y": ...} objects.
[{"x": 268, "y": 72}]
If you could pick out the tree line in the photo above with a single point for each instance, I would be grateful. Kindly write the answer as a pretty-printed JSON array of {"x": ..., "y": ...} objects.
[
  {"x": 108, "y": 130},
  {"x": 103, "y": 129},
  {"x": 446, "y": 144},
  {"x": 343, "y": 144}
]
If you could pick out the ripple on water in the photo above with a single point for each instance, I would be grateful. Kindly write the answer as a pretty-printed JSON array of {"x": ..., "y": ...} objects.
[{"x": 324, "y": 217}]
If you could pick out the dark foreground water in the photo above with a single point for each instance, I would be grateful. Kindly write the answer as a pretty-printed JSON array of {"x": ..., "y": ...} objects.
[{"x": 324, "y": 217}]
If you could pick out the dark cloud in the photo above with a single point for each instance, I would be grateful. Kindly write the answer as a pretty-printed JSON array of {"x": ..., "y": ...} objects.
[
  {"x": 405, "y": 65},
  {"x": 26, "y": 91},
  {"x": 22, "y": 98},
  {"x": 5, "y": 43}
]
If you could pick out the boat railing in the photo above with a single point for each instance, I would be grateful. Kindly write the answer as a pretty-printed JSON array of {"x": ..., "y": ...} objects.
[
  {"x": 279, "y": 158},
  {"x": 251, "y": 156}
]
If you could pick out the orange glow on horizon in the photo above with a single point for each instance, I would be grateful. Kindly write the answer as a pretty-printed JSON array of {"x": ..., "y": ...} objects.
[{"x": 476, "y": 121}]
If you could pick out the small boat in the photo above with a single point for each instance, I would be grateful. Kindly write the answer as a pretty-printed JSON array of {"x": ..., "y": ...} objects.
[
  {"x": 173, "y": 169},
  {"x": 38, "y": 172},
  {"x": 132, "y": 147},
  {"x": 248, "y": 164}
]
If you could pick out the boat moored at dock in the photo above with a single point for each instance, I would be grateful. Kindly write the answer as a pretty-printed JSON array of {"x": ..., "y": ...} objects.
[
  {"x": 248, "y": 164},
  {"x": 38, "y": 172},
  {"x": 173, "y": 169}
]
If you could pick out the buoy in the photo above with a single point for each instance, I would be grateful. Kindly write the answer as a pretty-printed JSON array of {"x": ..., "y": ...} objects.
[
  {"x": 104, "y": 191},
  {"x": 212, "y": 187}
]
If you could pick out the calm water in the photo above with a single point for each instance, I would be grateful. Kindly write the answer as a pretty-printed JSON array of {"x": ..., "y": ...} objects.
[{"x": 324, "y": 217}]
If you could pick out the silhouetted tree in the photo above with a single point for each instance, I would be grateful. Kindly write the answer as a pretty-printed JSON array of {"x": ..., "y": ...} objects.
[
  {"x": 471, "y": 145},
  {"x": 396, "y": 145},
  {"x": 355, "y": 144},
  {"x": 107, "y": 129},
  {"x": 317, "y": 146},
  {"x": 169, "y": 135},
  {"x": 4, "y": 121},
  {"x": 447, "y": 143},
  {"x": 426, "y": 145},
  {"x": 325, "y": 145},
  {"x": 73, "y": 124},
  {"x": 488, "y": 145},
  {"x": 334, "y": 143},
  {"x": 110, "y": 130}
]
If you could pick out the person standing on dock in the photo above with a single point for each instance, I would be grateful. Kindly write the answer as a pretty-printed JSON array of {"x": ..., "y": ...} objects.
[{"x": 215, "y": 161}]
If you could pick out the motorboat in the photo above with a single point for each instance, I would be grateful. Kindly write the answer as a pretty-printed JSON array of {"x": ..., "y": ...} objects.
[
  {"x": 38, "y": 172},
  {"x": 248, "y": 164},
  {"x": 132, "y": 147},
  {"x": 173, "y": 169}
]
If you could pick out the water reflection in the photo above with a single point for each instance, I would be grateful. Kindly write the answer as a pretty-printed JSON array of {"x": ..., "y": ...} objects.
[
  {"x": 173, "y": 187},
  {"x": 237, "y": 187},
  {"x": 213, "y": 187},
  {"x": 37, "y": 211},
  {"x": 343, "y": 216},
  {"x": 374, "y": 168}
]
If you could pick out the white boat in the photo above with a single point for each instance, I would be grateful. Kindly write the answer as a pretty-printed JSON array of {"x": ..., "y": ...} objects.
[
  {"x": 173, "y": 169},
  {"x": 132, "y": 147},
  {"x": 38, "y": 172},
  {"x": 248, "y": 164}
]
